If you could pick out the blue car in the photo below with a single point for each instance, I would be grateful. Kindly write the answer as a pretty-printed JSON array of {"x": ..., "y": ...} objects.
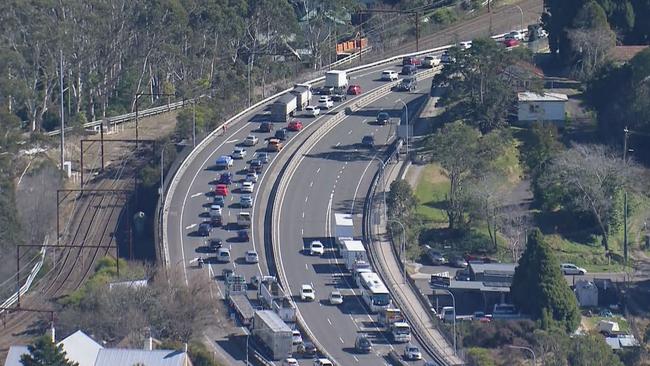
[
  {"x": 242, "y": 235},
  {"x": 225, "y": 178},
  {"x": 224, "y": 162},
  {"x": 219, "y": 201}
]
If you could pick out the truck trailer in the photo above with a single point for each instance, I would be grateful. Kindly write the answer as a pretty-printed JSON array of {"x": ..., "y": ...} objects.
[
  {"x": 353, "y": 251},
  {"x": 344, "y": 229},
  {"x": 336, "y": 79},
  {"x": 284, "y": 108},
  {"x": 273, "y": 333},
  {"x": 303, "y": 95}
]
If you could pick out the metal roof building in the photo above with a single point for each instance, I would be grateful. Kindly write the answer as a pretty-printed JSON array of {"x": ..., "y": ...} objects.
[{"x": 117, "y": 356}]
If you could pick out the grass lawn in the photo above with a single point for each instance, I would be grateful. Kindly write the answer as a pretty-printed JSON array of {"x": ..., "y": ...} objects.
[{"x": 430, "y": 191}]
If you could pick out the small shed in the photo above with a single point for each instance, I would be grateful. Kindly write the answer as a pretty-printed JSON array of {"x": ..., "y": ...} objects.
[
  {"x": 586, "y": 293},
  {"x": 546, "y": 107},
  {"x": 608, "y": 326}
]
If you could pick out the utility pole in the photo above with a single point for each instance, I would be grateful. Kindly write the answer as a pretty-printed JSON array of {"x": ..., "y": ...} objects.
[
  {"x": 626, "y": 134},
  {"x": 62, "y": 113}
]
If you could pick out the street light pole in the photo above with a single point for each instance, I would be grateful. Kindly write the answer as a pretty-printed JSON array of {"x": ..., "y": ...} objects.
[
  {"x": 525, "y": 349},
  {"x": 407, "y": 125},
  {"x": 522, "y": 15},
  {"x": 453, "y": 304}
]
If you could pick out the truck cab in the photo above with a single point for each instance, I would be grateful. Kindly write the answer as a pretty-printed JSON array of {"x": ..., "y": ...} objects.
[
  {"x": 244, "y": 219},
  {"x": 400, "y": 332}
]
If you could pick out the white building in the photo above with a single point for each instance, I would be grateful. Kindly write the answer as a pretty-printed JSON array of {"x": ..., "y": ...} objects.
[
  {"x": 586, "y": 293},
  {"x": 547, "y": 107}
]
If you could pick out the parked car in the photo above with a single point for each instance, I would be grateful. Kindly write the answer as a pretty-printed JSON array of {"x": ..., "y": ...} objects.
[
  {"x": 312, "y": 110},
  {"x": 204, "y": 228},
  {"x": 274, "y": 145},
  {"x": 519, "y": 35},
  {"x": 225, "y": 178},
  {"x": 316, "y": 248},
  {"x": 458, "y": 262},
  {"x": 363, "y": 344},
  {"x": 251, "y": 177},
  {"x": 223, "y": 255},
  {"x": 412, "y": 352},
  {"x": 389, "y": 75},
  {"x": 325, "y": 102},
  {"x": 242, "y": 235},
  {"x": 251, "y": 140},
  {"x": 465, "y": 45},
  {"x": 214, "y": 244},
  {"x": 296, "y": 337},
  {"x": 410, "y": 60},
  {"x": 383, "y": 118},
  {"x": 221, "y": 190},
  {"x": 572, "y": 269},
  {"x": 247, "y": 187},
  {"x": 251, "y": 257},
  {"x": 294, "y": 125},
  {"x": 238, "y": 153},
  {"x": 511, "y": 42},
  {"x": 255, "y": 166},
  {"x": 354, "y": 89},
  {"x": 307, "y": 293},
  {"x": 246, "y": 201},
  {"x": 436, "y": 257},
  {"x": 368, "y": 141},
  {"x": 336, "y": 298},
  {"x": 266, "y": 127}
]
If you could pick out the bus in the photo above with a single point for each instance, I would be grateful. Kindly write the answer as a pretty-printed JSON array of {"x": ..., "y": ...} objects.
[{"x": 373, "y": 291}]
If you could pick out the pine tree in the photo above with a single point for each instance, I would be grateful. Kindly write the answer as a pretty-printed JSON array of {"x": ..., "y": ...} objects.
[
  {"x": 539, "y": 289},
  {"x": 45, "y": 353}
]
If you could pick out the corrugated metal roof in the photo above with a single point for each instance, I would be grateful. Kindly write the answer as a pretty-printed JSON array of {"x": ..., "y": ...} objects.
[
  {"x": 493, "y": 267},
  {"x": 546, "y": 97},
  {"x": 13, "y": 357},
  {"x": 80, "y": 348},
  {"x": 128, "y": 357}
]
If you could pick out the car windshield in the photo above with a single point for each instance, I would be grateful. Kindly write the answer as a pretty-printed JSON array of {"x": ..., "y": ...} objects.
[
  {"x": 381, "y": 299},
  {"x": 382, "y": 115},
  {"x": 307, "y": 290}
]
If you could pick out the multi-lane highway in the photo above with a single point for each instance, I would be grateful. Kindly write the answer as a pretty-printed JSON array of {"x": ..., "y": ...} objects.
[{"x": 334, "y": 176}]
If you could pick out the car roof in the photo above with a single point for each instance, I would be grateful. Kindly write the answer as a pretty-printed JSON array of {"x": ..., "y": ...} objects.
[{"x": 306, "y": 286}]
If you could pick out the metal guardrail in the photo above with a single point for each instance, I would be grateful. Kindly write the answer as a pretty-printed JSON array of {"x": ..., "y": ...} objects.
[{"x": 30, "y": 279}]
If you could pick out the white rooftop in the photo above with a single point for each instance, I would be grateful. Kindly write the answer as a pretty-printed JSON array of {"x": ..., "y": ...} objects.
[
  {"x": 353, "y": 245},
  {"x": 546, "y": 97},
  {"x": 81, "y": 348}
]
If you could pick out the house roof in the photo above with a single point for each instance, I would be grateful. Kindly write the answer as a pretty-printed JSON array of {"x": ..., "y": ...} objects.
[
  {"x": 624, "y": 53},
  {"x": 546, "y": 97},
  {"x": 613, "y": 342},
  {"x": 121, "y": 356},
  {"x": 479, "y": 285},
  {"x": 81, "y": 348},
  {"x": 13, "y": 357}
]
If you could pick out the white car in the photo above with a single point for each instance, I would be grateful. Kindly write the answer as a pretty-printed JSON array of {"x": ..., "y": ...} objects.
[
  {"x": 290, "y": 362},
  {"x": 517, "y": 34},
  {"x": 572, "y": 269},
  {"x": 389, "y": 75},
  {"x": 465, "y": 45},
  {"x": 247, "y": 187},
  {"x": 412, "y": 352},
  {"x": 238, "y": 153},
  {"x": 312, "y": 110},
  {"x": 251, "y": 177},
  {"x": 316, "y": 248},
  {"x": 325, "y": 102},
  {"x": 251, "y": 140},
  {"x": 322, "y": 362},
  {"x": 223, "y": 255},
  {"x": 307, "y": 293},
  {"x": 215, "y": 210},
  {"x": 336, "y": 298},
  {"x": 251, "y": 256},
  {"x": 296, "y": 337}
]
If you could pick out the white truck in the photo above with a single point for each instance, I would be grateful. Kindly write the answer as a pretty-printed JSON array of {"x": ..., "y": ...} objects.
[
  {"x": 353, "y": 251},
  {"x": 390, "y": 316},
  {"x": 344, "y": 229},
  {"x": 284, "y": 108},
  {"x": 303, "y": 95},
  {"x": 244, "y": 219},
  {"x": 359, "y": 268},
  {"x": 400, "y": 332},
  {"x": 273, "y": 297},
  {"x": 336, "y": 79},
  {"x": 273, "y": 333}
]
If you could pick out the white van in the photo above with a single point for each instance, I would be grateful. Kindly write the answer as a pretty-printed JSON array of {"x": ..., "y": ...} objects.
[
  {"x": 223, "y": 255},
  {"x": 244, "y": 219}
]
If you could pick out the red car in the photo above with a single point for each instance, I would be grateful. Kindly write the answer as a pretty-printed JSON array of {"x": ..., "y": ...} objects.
[
  {"x": 409, "y": 60},
  {"x": 511, "y": 42},
  {"x": 221, "y": 190},
  {"x": 294, "y": 125},
  {"x": 354, "y": 89}
]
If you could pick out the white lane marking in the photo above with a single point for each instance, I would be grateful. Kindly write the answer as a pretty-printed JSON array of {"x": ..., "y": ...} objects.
[
  {"x": 311, "y": 184},
  {"x": 318, "y": 170},
  {"x": 342, "y": 341},
  {"x": 329, "y": 321},
  {"x": 302, "y": 231},
  {"x": 356, "y": 190},
  {"x": 231, "y": 141},
  {"x": 189, "y": 227},
  {"x": 197, "y": 194},
  {"x": 355, "y": 358},
  {"x": 306, "y": 198},
  {"x": 350, "y": 132},
  {"x": 306, "y": 267},
  {"x": 303, "y": 214},
  {"x": 338, "y": 143}
]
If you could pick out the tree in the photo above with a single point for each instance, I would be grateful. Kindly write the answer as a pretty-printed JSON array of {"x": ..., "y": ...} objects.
[
  {"x": 400, "y": 200},
  {"x": 591, "y": 350},
  {"x": 590, "y": 179},
  {"x": 465, "y": 154},
  {"x": 539, "y": 288},
  {"x": 45, "y": 353},
  {"x": 591, "y": 39}
]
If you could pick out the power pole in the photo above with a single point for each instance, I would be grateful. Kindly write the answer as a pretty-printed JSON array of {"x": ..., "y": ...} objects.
[
  {"x": 62, "y": 113},
  {"x": 626, "y": 134}
]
